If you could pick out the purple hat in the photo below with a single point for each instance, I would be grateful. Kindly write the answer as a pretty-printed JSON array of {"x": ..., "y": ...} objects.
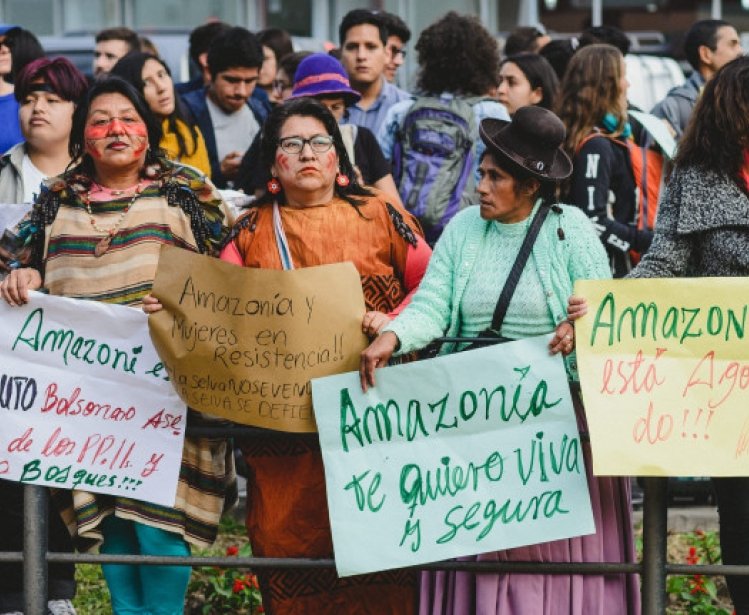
[{"x": 321, "y": 75}]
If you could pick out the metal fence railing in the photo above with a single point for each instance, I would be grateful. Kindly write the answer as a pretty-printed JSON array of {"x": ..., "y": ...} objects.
[{"x": 653, "y": 568}]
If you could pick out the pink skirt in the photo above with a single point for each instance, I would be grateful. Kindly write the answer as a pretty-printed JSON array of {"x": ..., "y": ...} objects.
[{"x": 465, "y": 593}]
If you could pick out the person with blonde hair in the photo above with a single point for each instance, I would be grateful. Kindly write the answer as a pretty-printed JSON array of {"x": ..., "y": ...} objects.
[{"x": 593, "y": 106}]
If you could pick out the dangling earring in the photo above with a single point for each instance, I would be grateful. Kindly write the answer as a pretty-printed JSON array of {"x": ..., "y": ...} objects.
[
  {"x": 342, "y": 180},
  {"x": 274, "y": 187}
]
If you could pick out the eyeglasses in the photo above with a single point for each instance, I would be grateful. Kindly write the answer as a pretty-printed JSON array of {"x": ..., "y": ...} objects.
[
  {"x": 4, "y": 43},
  {"x": 280, "y": 86},
  {"x": 294, "y": 145}
]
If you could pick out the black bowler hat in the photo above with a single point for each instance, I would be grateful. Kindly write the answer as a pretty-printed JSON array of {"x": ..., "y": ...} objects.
[{"x": 532, "y": 141}]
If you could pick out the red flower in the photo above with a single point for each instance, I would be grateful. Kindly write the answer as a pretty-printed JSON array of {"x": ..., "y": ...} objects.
[
  {"x": 238, "y": 586},
  {"x": 692, "y": 558},
  {"x": 260, "y": 608},
  {"x": 232, "y": 550}
]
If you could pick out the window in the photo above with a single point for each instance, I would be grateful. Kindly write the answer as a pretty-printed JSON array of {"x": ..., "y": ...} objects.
[
  {"x": 166, "y": 14},
  {"x": 294, "y": 16},
  {"x": 34, "y": 15}
]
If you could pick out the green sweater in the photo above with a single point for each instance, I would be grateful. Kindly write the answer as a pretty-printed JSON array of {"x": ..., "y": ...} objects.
[{"x": 435, "y": 309}]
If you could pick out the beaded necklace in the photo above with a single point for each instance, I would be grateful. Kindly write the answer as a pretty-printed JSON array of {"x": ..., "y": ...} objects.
[{"x": 103, "y": 245}]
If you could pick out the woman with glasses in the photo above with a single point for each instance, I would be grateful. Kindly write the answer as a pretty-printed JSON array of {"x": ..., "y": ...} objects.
[{"x": 315, "y": 208}]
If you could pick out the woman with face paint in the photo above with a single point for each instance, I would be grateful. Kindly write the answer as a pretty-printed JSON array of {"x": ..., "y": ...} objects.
[
  {"x": 47, "y": 92},
  {"x": 95, "y": 233},
  {"x": 314, "y": 212},
  {"x": 181, "y": 139}
]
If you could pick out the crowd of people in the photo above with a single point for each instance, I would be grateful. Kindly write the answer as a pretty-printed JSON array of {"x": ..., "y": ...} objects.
[{"x": 494, "y": 185}]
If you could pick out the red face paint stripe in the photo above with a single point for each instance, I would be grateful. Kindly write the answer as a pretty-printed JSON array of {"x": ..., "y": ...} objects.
[
  {"x": 283, "y": 161},
  {"x": 101, "y": 131}
]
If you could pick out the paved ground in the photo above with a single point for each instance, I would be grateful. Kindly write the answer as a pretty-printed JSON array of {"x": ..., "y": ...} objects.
[{"x": 688, "y": 518}]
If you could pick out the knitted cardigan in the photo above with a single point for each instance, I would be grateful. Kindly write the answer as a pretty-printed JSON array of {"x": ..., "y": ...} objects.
[
  {"x": 434, "y": 310},
  {"x": 702, "y": 229}
]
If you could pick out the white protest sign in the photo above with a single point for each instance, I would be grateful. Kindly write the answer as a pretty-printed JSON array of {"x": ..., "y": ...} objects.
[
  {"x": 463, "y": 454},
  {"x": 84, "y": 402}
]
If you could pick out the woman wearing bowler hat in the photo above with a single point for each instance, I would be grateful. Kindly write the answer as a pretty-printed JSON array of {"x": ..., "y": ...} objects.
[{"x": 458, "y": 295}]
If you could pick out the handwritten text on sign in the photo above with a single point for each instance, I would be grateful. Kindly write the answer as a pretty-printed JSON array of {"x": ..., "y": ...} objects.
[
  {"x": 243, "y": 343},
  {"x": 664, "y": 367},
  {"x": 458, "y": 455},
  {"x": 84, "y": 403}
]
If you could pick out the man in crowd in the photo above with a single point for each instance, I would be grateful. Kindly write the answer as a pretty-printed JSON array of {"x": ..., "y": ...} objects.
[
  {"x": 227, "y": 116},
  {"x": 526, "y": 38},
  {"x": 364, "y": 55},
  {"x": 111, "y": 45},
  {"x": 200, "y": 42},
  {"x": 709, "y": 44},
  {"x": 398, "y": 35}
]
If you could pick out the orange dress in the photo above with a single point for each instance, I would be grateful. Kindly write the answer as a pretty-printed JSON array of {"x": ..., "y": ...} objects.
[{"x": 287, "y": 511}]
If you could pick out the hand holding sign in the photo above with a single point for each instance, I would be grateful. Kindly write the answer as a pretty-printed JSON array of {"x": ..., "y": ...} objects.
[
  {"x": 452, "y": 456},
  {"x": 243, "y": 343}
]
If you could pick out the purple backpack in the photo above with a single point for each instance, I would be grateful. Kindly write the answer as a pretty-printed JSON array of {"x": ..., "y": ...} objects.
[{"x": 433, "y": 160}]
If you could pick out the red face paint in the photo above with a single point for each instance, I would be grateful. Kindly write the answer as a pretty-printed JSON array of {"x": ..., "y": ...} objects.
[
  {"x": 283, "y": 161},
  {"x": 115, "y": 127},
  {"x": 331, "y": 160}
]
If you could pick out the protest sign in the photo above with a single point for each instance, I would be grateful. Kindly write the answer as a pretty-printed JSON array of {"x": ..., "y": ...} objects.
[
  {"x": 664, "y": 369},
  {"x": 243, "y": 343},
  {"x": 458, "y": 455},
  {"x": 83, "y": 403}
]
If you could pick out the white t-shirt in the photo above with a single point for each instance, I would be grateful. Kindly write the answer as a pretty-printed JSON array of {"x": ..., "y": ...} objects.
[
  {"x": 233, "y": 131},
  {"x": 32, "y": 178}
]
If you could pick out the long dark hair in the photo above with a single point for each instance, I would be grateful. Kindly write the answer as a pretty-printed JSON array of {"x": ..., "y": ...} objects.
[
  {"x": 718, "y": 132},
  {"x": 112, "y": 85},
  {"x": 130, "y": 68},
  {"x": 308, "y": 107},
  {"x": 539, "y": 73},
  {"x": 24, "y": 48}
]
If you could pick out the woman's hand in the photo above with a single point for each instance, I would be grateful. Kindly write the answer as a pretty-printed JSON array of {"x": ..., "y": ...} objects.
[
  {"x": 577, "y": 307},
  {"x": 377, "y": 354},
  {"x": 151, "y": 304},
  {"x": 564, "y": 339},
  {"x": 374, "y": 322},
  {"x": 15, "y": 288}
]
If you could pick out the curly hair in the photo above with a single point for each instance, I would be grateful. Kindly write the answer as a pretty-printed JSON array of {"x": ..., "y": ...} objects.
[
  {"x": 307, "y": 107},
  {"x": 24, "y": 48},
  {"x": 458, "y": 55},
  {"x": 718, "y": 133},
  {"x": 591, "y": 88}
]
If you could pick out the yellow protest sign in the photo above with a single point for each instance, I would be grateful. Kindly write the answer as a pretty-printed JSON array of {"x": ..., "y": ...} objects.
[
  {"x": 664, "y": 369},
  {"x": 243, "y": 343}
]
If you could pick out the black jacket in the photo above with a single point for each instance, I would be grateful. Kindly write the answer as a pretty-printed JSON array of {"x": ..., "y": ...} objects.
[{"x": 603, "y": 186}]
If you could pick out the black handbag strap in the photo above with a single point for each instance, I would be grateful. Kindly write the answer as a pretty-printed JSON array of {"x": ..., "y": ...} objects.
[{"x": 517, "y": 268}]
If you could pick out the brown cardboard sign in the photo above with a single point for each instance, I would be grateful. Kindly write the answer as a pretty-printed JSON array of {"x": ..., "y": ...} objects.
[{"x": 243, "y": 343}]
